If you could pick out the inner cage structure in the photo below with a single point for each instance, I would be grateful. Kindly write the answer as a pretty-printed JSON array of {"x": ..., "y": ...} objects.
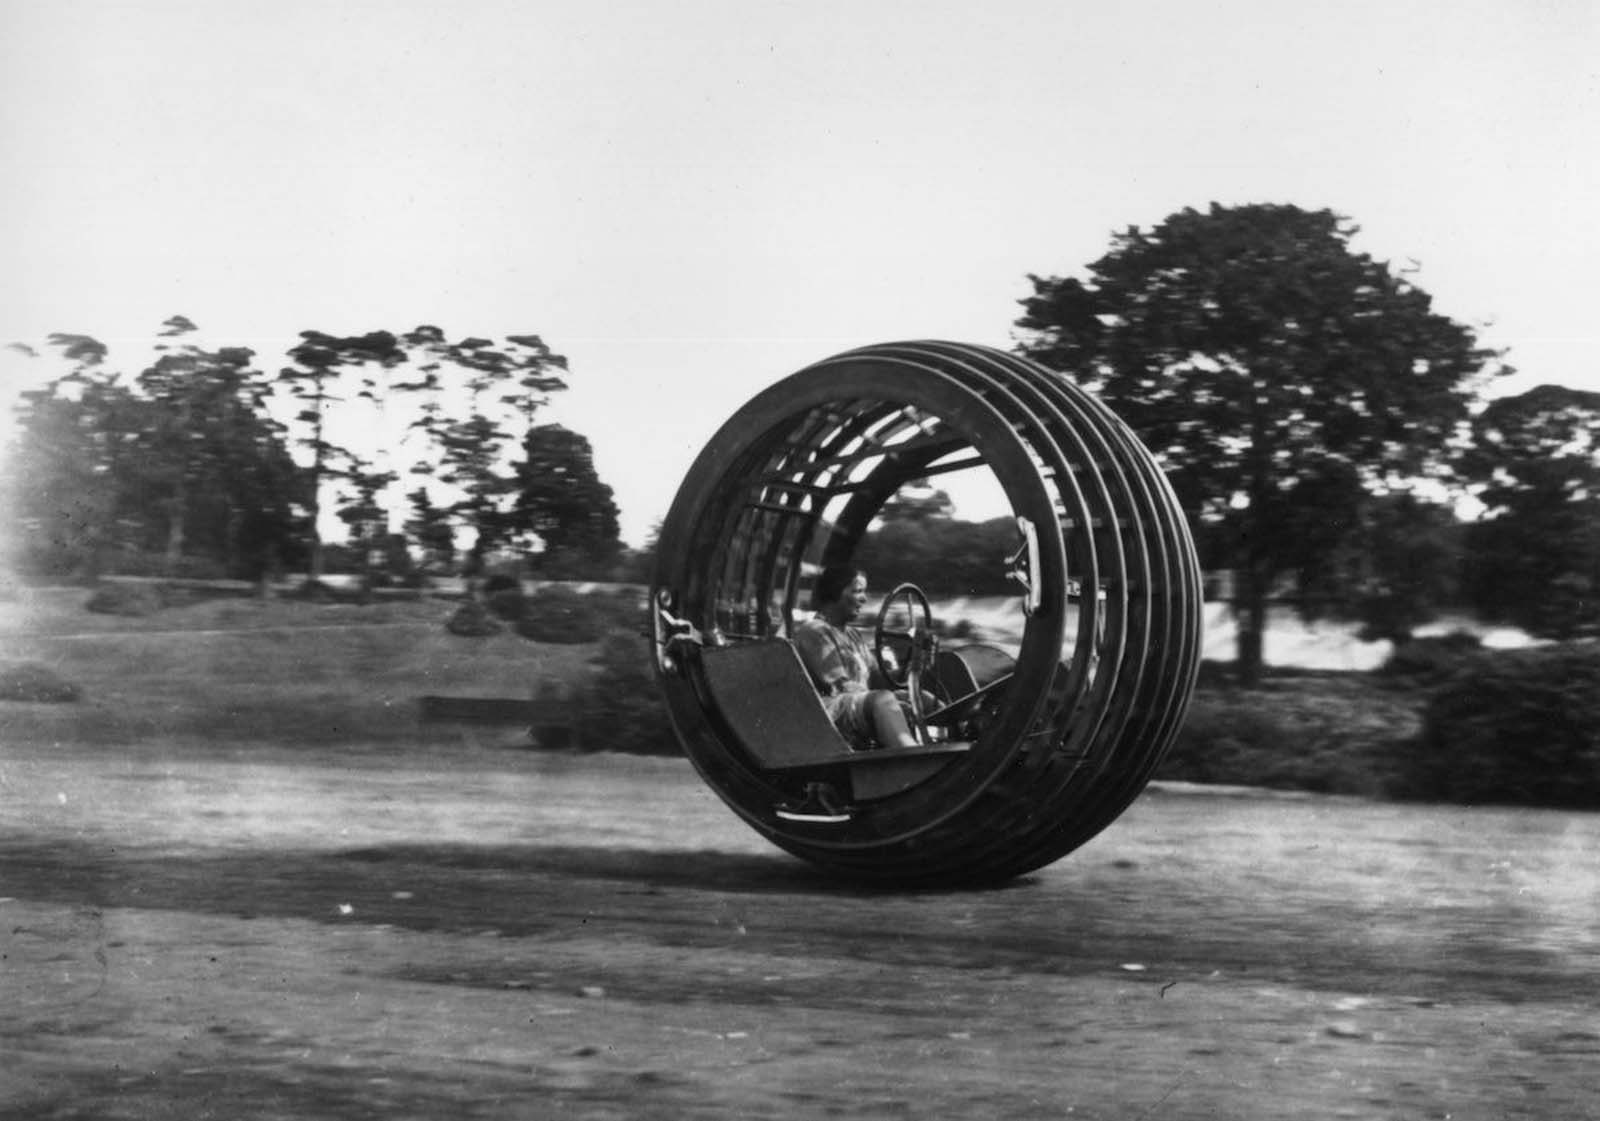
[{"x": 1104, "y": 564}]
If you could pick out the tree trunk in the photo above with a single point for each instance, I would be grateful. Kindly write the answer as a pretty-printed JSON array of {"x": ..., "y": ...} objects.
[
  {"x": 232, "y": 562},
  {"x": 315, "y": 575},
  {"x": 175, "y": 532},
  {"x": 1251, "y": 609}
]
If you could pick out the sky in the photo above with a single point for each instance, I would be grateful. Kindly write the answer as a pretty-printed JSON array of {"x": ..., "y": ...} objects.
[{"x": 691, "y": 200}]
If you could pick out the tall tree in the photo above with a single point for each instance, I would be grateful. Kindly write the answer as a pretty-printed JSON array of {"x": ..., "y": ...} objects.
[
  {"x": 320, "y": 361},
  {"x": 503, "y": 387},
  {"x": 1535, "y": 556},
  {"x": 364, "y": 516},
  {"x": 204, "y": 431},
  {"x": 562, "y": 500},
  {"x": 64, "y": 480},
  {"x": 1265, "y": 362},
  {"x": 429, "y": 527},
  {"x": 183, "y": 460}
]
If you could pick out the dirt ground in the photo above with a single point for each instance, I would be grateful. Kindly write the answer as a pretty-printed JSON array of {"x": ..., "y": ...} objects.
[{"x": 480, "y": 931}]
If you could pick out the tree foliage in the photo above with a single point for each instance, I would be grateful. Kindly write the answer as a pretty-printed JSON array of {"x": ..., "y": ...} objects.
[
  {"x": 504, "y": 386},
  {"x": 944, "y": 556},
  {"x": 64, "y": 487},
  {"x": 1535, "y": 556},
  {"x": 1282, "y": 377},
  {"x": 182, "y": 460},
  {"x": 561, "y": 499},
  {"x": 201, "y": 459},
  {"x": 321, "y": 362}
]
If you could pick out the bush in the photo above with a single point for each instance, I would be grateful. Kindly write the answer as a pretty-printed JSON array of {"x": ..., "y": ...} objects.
[
  {"x": 622, "y": 708},
  {"x": 1334, "y": 734},
  {"x": 125, "y": 599},
  {"x": 1515, "y": 727},
  {"x": 1426, "y": 661},
  {"x": 961, "y": 630},
  {"x": 500, "y": 582},
  {"x": 156, "y": 566},
  {"x": 28, "y": 681},
  {"x": 1224, "y": 743},
  {"x": 472, "y": 620},
  {"x": 506, "y": 603},
  {"x": 561, "y": 615}
]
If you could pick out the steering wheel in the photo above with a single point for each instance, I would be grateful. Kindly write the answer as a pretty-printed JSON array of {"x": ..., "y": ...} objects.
[{"x": 904, "y": 654}]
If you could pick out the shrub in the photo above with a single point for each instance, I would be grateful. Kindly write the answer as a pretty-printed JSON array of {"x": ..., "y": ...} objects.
[
  {"x": 506, "y": 603},
  {"x": 1517, "y": 727},
  {"x": 29, "y": 681},
  {"x": 1224, "y": 743},
  {"x": 157, "y": 566},
  {"x": 125, "y": 599},
  {"x": 1430, "y": 660},
  {"x": 311, "y": 591},
  {"x": 622, "y": 709},
  {"x": 562, "y": 615},
  {"x": 1335, "y": 734},
  {"x": 472, "y": 620},
  {"x": 497, "y": 582},
  {"x": 961, "y": 630}
]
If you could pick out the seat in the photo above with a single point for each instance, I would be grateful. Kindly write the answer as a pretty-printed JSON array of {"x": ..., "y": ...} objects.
[{"x": 766, "y": 698}]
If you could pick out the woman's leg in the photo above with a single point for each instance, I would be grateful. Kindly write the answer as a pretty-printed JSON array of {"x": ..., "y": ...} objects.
[{"x": 889, "y": 720}]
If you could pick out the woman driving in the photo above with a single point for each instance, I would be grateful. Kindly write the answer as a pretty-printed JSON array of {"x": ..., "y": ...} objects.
[{"x": 840, "y": 663}]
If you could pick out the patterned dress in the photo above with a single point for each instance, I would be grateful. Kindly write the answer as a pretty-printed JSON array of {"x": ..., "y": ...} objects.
[{"x": 840, "y": 662}]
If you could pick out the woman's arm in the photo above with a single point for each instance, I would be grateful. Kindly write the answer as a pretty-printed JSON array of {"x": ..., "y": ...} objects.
[{"x": 821, "y": 660}]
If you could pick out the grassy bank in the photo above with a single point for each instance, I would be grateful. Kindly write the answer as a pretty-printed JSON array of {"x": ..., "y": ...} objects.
[
  {"x": 286, "y": 672},
  {"x": 260, "y": 670}
]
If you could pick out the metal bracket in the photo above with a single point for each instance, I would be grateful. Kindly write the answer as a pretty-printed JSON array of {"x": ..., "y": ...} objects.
[
  {"x": 668, "y": 629},
  {"x": 1023, "y": 567}
]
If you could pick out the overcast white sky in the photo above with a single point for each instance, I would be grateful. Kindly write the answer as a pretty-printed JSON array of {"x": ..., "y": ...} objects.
[{"x": 693, "y": 199}]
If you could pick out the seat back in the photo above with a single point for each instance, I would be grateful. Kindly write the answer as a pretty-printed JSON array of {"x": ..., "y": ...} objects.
[
  {"x": 764, "y": 693},
  {"x": 985, "y": 663}
]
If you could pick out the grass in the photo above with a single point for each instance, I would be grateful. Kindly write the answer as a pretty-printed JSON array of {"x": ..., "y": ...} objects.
[
  {"x": 288, "y": 672},
  {"x": 277, "y": 670}
]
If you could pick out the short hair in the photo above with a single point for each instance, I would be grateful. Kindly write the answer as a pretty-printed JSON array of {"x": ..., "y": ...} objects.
[{"x": 832, "y": 582}]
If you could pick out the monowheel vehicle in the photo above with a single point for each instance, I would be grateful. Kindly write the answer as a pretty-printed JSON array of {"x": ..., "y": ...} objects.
[{"x": 1024, "y": 753}]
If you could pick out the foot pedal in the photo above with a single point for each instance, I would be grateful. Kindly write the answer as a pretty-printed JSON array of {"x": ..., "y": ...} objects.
[{"x": 820, "y": 804}]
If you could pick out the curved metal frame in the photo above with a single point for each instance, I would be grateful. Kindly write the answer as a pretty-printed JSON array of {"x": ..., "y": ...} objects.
[{"x": 1109, "y": 652}]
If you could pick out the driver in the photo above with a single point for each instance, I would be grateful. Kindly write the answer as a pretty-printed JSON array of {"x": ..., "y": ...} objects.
[{"x": 840, "y": 663}]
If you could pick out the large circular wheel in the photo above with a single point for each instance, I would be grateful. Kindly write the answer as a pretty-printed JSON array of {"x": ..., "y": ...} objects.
[{"x": 1104, "y": 566}]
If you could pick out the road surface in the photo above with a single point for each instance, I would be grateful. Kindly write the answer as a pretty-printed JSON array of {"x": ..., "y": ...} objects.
[{"x": 479, "y": 931}]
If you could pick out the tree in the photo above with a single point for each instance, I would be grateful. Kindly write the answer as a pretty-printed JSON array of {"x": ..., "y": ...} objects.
[
  {"x": 561, "y": 499},
  {"x": 183, "y": 461},
  {"x": 366, "y": 520},
  {"x": 944, "y": 556},
  {"x": 504, "y": 387},
  {"x": 1535, "y": 555},
  {"x": 1281, "y": 377},
  {"x": 429, "y": 526},
  {"x": 63, "y": 479},
  {"x": 1398, "y": 567},
  {"x": 202, "y": 436},
  {"x": 313, "y": 380},
  {"x": 917, "y": 501}
]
